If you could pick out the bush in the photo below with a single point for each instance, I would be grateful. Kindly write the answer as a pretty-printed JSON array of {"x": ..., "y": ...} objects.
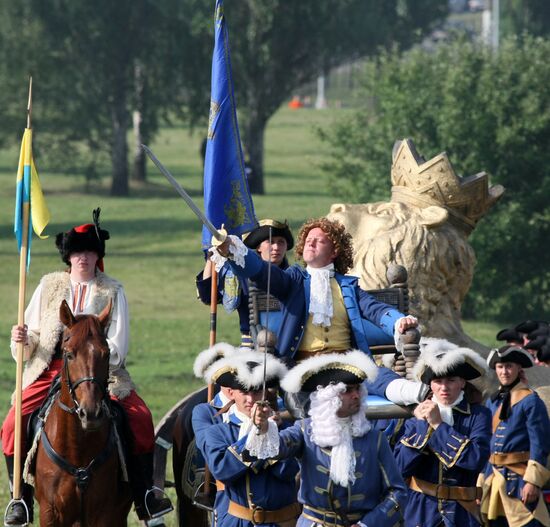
[{"x": 490, "y": 113}]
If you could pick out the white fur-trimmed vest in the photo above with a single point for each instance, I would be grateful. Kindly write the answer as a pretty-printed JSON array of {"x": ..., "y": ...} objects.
[{"x": 56, "y": 288}]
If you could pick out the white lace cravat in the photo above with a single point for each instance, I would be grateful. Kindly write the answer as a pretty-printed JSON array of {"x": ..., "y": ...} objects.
[
  {"x": 320, "y": 296},
  {"x": 447, "y": 411}
]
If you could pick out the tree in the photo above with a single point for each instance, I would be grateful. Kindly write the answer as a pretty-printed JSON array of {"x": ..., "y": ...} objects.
[
  {"x": 525, "y": 16},
  {"x": 278, "y": 45},
  {"x": 489, "y": 112},
  {"x": 86, "y": 58}
]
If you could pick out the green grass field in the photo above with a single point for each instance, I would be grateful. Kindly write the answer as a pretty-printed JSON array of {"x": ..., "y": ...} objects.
[{"x": 155, "y": 250}]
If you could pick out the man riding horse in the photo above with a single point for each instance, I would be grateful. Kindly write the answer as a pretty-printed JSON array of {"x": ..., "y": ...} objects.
[{"x": 87, "y": 289}]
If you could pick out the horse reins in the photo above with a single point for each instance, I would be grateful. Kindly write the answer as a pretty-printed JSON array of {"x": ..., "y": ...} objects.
[
  {"x": 72, "y": 387},
  {"x": 82, "y": 475}
]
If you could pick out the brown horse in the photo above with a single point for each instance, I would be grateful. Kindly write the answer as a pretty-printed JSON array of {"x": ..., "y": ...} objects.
[{"x": 77, "y": 476}]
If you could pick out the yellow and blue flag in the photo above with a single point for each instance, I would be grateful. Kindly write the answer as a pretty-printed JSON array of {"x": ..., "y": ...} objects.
[
  {"x": 227, "y": 197},
  {"x": 28, "y": 195}
]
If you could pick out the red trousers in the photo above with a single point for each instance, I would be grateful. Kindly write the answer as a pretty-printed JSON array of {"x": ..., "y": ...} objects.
[{"x": 140, "y": 419}]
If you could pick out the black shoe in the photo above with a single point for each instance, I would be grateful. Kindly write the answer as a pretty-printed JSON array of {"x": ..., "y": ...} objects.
[
  {"x": 16, "y": 514},
  {"x": 153, "y": 507}
]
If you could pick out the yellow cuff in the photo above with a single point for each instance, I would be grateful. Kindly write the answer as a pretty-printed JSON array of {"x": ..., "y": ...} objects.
[{"x": 536, "y": 473}]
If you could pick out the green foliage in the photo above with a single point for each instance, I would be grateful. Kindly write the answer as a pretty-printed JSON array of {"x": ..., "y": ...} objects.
[
  {"x": 525, "y": 16},
  {"x": 489, "y": 112}
]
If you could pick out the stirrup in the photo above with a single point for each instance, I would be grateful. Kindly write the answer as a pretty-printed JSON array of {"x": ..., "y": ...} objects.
[
  {"x": 160, "y": 513},
  {"x": 11, "y": 503},
  {"x": 155, "y": 522},
  {"x": 205, "y": 501}
]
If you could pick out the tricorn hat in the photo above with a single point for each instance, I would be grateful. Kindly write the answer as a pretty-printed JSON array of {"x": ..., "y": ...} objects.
[
  {"x": 245, "y": 371},
  {"x": 527, "y": 326},
  {"x": 209, "y": 356},
  {"x": 509, "y": 334},
  {"x": 435, "y": 363},
  {"x": 87, "y": 237},
  {"x": 510, "y": 353},
  {"x": 352, "y": 367},
  {"x": 261, "y": 233}
]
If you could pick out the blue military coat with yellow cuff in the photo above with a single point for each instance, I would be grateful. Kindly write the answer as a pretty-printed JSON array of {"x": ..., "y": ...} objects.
[
  {"x": 377, "y": 497},
  {"x": 448, "y": 455},
  {"x": 292, "y": 288},
  {"x": 268, "y": 484},
  {"x": 525, "y": 431}
]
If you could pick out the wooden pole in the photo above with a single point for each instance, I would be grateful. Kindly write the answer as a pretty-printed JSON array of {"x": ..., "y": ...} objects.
[
  {"x": 213, "y": 321},
  {"x": 21, "y": 322}
]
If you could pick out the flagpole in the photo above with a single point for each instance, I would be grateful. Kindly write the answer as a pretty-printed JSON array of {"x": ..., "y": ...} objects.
[
  {"x": 21, "y": 322},
  {"x": 213, "y": 320}
]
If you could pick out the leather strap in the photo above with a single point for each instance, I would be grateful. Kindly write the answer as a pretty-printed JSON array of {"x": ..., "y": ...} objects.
[
  {"x": 445, "y": 492},
  {"x": 509, "y": 458},
  {"x": 258, "y": 516},
  {"x": 516, "y": 395},
  {"x": 220, "y": 486},
  {"x": 329, "y": 517}
]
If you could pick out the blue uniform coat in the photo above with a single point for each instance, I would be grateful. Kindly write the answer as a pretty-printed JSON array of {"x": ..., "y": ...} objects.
[
  {"x": 377, "y": 497},
  {"x": 526, "y": 430},
  {"x": 268, "y": 484},
  {"x": 449, "y": 455}
]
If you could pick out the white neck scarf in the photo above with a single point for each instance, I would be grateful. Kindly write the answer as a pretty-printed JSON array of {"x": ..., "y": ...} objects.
[
  {"x": 246, "y": 422},
  {"x": 329, "y": 430},
  {"x": 447, "y": 411},
  {"x": 320, "y": 296}
]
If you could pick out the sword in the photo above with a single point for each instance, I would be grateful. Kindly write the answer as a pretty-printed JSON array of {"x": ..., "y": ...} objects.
[{"x": 219, "y": 236}]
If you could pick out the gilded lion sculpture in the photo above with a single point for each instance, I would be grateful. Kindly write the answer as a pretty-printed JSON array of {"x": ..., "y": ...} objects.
[{"x": 425, "y": 227}]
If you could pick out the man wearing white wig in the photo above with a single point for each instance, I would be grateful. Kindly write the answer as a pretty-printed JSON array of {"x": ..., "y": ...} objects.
[
  {"x": 446, "y": 444},
  {"x": 348, "y": 475},
  {"x": 254, "y": 493}
]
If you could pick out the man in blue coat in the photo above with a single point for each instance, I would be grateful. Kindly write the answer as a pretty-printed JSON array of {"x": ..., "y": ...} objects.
[
  {"x": 520, "y": 445},
  {"x": 254, "y": 492},
  {"x": 322, "y": 309},
  {"x": 233, "y": 292},
  {"x": 446, "y": 444},
  {"x": 348, "y": 475}
]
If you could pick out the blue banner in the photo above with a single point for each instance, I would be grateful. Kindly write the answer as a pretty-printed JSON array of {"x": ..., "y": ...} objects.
[{"x": 227, "y": 199}]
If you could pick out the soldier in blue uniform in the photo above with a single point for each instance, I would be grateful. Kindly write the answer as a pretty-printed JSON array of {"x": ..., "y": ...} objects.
[
  {"x": 516, "y": 471},
  {"x": 446, "y": 444},
  {"x": 322, "y": 310},
  {"x": 348, "y": 475},
  {"x": 257, "y": 492},
  {"x": 233, "y": 291}
]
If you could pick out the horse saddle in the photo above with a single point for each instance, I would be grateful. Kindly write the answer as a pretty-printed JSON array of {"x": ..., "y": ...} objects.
[{"x": 39, "y": 416}]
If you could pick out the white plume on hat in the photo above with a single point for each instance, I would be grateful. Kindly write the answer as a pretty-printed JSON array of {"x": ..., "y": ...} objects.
[
  {"x": 296, "y": 377},
  {"x": 207, "y": 357},
  {"x": 442, "y": 356},
  {"x": 238, "y": 364}
]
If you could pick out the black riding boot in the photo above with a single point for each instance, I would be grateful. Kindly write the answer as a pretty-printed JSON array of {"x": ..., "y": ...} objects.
[
  {"x": 148, "y": 505},
  {"x": 17, "y": 515}
]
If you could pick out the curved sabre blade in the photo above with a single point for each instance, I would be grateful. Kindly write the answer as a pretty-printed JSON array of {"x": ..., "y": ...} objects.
[{"x": 187, "y": 198}]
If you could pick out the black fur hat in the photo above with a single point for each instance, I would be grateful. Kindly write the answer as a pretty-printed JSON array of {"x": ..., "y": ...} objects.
[{"x": 87, "y": 237}]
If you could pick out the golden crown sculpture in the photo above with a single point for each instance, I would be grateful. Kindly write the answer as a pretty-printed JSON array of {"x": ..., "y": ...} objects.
[{"x": 434, "y": 182}]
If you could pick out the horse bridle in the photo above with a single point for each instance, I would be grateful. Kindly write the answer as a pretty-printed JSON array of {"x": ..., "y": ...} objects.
[
  {"x": 75, "y": 409},
  {"x": 82, "y": 475}
]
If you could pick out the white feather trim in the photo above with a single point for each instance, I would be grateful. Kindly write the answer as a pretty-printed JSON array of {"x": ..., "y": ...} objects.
[
  {"x": 441, "y": 356},
  {"x": 238, "y": 364},
  {"x": 293, "y": 381},
  {"x": 207, "y": 357}
]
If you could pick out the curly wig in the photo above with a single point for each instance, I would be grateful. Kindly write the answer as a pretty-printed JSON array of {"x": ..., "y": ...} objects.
[{"x": 338, "y": 236}]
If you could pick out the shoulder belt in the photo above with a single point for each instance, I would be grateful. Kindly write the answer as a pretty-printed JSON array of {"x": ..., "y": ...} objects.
[{"x": 515, "y": 397}]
